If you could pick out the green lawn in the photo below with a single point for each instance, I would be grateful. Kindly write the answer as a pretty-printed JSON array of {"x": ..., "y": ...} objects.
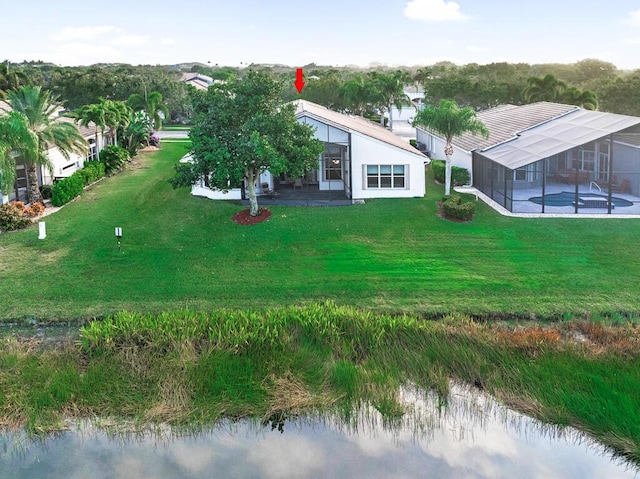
[{"x": 389, "y": 255}]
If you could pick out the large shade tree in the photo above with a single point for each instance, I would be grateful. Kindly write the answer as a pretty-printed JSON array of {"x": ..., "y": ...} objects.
[
  {"x": 242, "y": 129},
  {"x": 41, "y": 108},
  {"x": 449, "y": 120}
]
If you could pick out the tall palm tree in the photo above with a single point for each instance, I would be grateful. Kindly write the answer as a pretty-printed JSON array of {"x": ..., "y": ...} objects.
[
  {"x": 449, "y": 120},
  {"x": 357, "y": 93},
  {"x": 547, "y": 88},
  {"x": 118, "y": 116},
  {"x": 15, "y": 140},
  {"x": 40, "y": 108},
  {"x": 152, "y": 104},
  {"x": 389, "y": 92},
  {"x": 88, "y": 115}
]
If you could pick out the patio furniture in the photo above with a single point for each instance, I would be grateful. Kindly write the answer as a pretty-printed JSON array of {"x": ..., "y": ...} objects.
[
  {"x": 266, "y": 191},
  {"x": 297, "y": 184},
  {"x": 623, "y": 187}
]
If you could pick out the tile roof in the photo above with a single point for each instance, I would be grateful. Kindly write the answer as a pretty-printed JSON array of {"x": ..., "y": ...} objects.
[
  {"x": 504, "y": 122},
  {"x": 352, "y": 123}
]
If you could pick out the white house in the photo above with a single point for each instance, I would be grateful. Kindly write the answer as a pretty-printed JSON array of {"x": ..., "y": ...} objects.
[
  {"x": 550, "y": 158},
  {"x": 62, "y": 167},
  {"x": 361, "y": 160}
]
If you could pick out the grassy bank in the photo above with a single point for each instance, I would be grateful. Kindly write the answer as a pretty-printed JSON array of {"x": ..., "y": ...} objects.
[
  {"x": 391, "y": 255},
  {"x": 193, "y": 368}
]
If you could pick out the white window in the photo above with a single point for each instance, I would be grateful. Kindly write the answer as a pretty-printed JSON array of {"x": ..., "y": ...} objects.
[
  {"x": 526, "y": 173},
  {"x": 386, "y": 176}
]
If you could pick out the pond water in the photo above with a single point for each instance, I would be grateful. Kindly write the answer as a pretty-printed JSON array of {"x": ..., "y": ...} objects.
[{"x": 471, "y": 437}]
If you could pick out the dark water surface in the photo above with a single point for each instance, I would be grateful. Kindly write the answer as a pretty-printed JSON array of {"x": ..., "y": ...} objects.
[{"x": 472, "y": 437}]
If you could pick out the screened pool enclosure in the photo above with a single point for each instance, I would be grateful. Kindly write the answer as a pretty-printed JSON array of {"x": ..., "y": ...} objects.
[{"x": 590, "y": 164}]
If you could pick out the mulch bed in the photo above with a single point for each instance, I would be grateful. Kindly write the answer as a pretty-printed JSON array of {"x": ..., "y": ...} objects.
[{"x": 244, "y": 218}]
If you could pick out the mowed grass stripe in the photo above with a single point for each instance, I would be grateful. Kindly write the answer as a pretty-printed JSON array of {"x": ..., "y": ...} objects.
[{"x": 389, "y": 255}]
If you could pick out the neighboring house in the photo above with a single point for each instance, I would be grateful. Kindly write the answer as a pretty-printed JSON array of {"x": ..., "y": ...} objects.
[
  {"x": 62, "y": 167},
  {"x": 197, "y": 80},
  {"x": 551, "y": 158},
  {"x": 361, "y": 160}
]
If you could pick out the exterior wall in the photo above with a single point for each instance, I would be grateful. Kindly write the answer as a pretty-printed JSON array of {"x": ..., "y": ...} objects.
[
  {"x": 62, "y": 167},
  {"x": 435, "y": 147},
  {"x": 200, "y": 190},
  {"x": 367, "y": 151}
]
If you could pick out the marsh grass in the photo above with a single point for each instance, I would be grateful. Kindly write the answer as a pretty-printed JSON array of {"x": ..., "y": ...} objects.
[{"x": 193, "y": 369}]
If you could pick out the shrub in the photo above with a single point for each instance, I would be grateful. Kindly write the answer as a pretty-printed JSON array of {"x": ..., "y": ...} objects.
[
  {"x": 454, "y": 207},
  {"x": 33, "y": 210},
  {"x": 12, "y": 218},
  {"x": 92, "y": 171},
  {"x": 459, "y": 176},
  {"x": 67, "y": 189},
  {"x": 46, "y": 191},
  {"x": 114, "y": 157}
]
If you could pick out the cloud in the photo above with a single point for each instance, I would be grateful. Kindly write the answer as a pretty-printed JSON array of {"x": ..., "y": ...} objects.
[
  {"x": 130, "y": 40},
  {"x": 433, "y": 11},
  {"x": 71, "y": 34},
  {"x": 633, "y": 41},
  {"x": 634, "y": 17},
  {"x": 103, "y": 44}
]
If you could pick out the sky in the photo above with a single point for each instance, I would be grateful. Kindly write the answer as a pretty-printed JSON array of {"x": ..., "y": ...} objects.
[{"x": 325, "y": 32}]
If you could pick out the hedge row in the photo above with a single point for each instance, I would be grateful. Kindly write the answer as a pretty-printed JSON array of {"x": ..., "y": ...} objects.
[
  {"x": 459, "y": 176},
  {"x": 454, "y": 207},
  {"x": 68, "y": 188}
]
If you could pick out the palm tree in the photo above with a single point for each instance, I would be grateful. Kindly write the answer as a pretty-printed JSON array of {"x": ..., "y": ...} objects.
[
  {"x": 547, "y": 88},
  {"x": 40, "y": 109},
  {"x": 93, "y": 114},
  {"x": 10, "y": 79},
  {"x": 118, "y": 116},
  {"x": 15, "y": 139},
  {"x": 357, "y": 93},
  {"x": 389, "y": 92},
  {"x": 449, "y": 120},
  {"x": 583, "y": 98},
  {"x": 150, "y": 103}
]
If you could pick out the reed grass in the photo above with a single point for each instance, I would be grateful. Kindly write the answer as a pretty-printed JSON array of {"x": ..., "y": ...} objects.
[{"x": 193, "y": 368}]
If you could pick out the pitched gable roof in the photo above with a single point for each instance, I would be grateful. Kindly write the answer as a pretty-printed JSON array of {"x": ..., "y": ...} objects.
[{"x": 352, "y": 124}]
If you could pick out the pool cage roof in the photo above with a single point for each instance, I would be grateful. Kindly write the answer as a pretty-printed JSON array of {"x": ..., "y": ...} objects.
[{"x": 560, "y": 134}]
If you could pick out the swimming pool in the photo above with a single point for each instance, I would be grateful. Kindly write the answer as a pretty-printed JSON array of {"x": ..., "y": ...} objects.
[{"x": 566, "y": 198}]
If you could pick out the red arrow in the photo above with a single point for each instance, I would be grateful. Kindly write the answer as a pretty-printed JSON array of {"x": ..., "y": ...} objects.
[{"x": 299, "y": 83}]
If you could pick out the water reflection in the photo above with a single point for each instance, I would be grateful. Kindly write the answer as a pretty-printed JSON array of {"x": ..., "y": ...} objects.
[{"x": 472, "y": 437}]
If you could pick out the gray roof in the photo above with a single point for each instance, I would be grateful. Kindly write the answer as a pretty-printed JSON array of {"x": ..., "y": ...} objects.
[
  {"x": 506, "y": 121},
  {"x": 352, "y": 123},
  {"x": 564, "y": 133}
]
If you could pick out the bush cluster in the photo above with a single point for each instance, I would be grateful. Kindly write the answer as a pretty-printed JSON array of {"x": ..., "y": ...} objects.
[
  {"x": 459, "y": 176},
  {"x": 12, "y": 217},
  {"x": 454, "y": 207},
  {"x": 92, "y": 171},
  {"x": 68, "y": 188},
  {"x": 113, "y": 157}
]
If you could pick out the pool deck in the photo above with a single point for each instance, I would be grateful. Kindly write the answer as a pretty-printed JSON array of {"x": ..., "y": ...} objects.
[{"x": 528, "y": 209}]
